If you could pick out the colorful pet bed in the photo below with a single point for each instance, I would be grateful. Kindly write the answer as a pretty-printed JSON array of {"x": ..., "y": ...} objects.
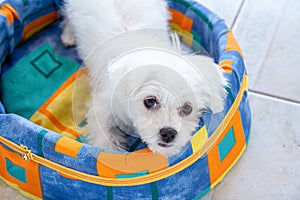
[{"x": 42, "y": 153}]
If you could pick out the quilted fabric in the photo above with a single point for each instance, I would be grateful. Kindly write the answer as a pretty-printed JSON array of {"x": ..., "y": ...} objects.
[{"x": 38, "y": 79}]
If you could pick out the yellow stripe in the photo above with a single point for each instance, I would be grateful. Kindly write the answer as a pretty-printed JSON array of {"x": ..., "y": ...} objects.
[
  {"x": 247, "y": 82},
  {"x": 34, "y": 31},
  {"x": 42, "y": 120},
  {"x": 38, "y": 24},
  {"x": 15, "y": 186},
  {"x": 156, "y": 176},
  {"x": 187, "y": 37}
]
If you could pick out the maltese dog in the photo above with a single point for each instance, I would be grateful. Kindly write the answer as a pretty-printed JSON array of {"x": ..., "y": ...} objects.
[{"x": 140, "y": 86}]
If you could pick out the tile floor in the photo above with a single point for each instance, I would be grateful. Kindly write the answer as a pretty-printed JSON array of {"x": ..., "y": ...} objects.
[{"x": 268, "y": 33}]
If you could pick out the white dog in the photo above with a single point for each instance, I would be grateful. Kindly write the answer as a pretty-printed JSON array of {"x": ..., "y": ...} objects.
[{"x": 150, "y": 93}]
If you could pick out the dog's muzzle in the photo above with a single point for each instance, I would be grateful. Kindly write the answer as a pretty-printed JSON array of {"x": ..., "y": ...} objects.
[{"x": 167, "y": 134}]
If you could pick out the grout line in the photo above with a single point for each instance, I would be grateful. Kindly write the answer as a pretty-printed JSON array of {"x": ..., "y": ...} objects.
[
  {"x": 275, "y": 97},
  {"x": 237, "y": 14},
  {"x": 265, "y": 55}
]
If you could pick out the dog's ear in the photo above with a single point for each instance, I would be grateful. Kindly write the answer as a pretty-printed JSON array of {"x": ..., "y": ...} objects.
[{"x": 213, "y": 78}]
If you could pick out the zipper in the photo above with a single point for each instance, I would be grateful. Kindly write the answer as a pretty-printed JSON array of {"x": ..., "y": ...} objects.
[{"x": 28, "y": 156}]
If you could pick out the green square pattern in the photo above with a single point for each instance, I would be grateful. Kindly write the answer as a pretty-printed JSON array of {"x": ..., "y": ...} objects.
[
  {"x": 34, "y": 79},
  {"x": 226, "y": 144},
  {"x": 15, "y": 171},
  {"x": 46, "y": 64}
]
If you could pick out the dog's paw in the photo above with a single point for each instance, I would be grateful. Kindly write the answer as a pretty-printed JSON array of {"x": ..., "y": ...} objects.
[{"x": 67, "y": 37}]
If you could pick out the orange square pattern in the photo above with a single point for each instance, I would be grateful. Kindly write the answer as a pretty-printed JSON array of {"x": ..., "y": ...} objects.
[
  {"x": 218, "y": 168},
  {"x": 32, "y": 185},
  {"x": 68, "y": 147}
]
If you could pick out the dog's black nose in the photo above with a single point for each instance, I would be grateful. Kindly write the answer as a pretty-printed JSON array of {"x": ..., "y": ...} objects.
[{"x": 168, "y": 134}]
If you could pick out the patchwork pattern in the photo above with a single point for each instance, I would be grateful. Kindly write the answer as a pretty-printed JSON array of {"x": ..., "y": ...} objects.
[
  {"x": 60, "y": 119},
  {"x": 38, "y": 24},
  {"x": 68, "y": 147},
  {"x": 15, "y": 171},
  {"x": 28, "y": 75},
  {"x": 20, "y": 174},
  {"x": 184, "y": 28},
  {"x": 9, "y": 12},
  {"x": 56, "y": 74},
  {"x": 229, "y": 147},
  {"x": 130, "y": 165},
  {"x": 232, "y": 44},
  {"x": 199, "y": 138},
  {"x": 226, "y": 144},
  {"x": 226, "y": 65}
]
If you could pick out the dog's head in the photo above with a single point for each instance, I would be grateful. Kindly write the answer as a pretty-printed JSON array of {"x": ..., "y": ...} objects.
[
  {"x": 164, "y": 105},
  {"x": 163, "y": 116}
]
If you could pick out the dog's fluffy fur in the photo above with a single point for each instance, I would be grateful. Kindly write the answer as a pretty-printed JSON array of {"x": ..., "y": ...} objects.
[{"x": 122, "y": 85}]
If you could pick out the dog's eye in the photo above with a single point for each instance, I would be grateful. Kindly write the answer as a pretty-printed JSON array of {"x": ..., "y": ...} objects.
[
  {"x": 150, "y": 102},
  {"x": 186, "y": 109}
]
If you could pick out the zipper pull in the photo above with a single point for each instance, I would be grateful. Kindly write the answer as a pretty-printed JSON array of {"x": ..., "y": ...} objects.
[{"x": 28, "y": 154}]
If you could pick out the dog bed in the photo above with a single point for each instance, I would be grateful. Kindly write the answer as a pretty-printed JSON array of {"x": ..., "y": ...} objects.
[{"x": 42, "y": 153}]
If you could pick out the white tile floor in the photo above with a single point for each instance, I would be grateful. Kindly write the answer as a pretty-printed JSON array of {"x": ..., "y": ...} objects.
[{"x": 268, "y": 32}]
